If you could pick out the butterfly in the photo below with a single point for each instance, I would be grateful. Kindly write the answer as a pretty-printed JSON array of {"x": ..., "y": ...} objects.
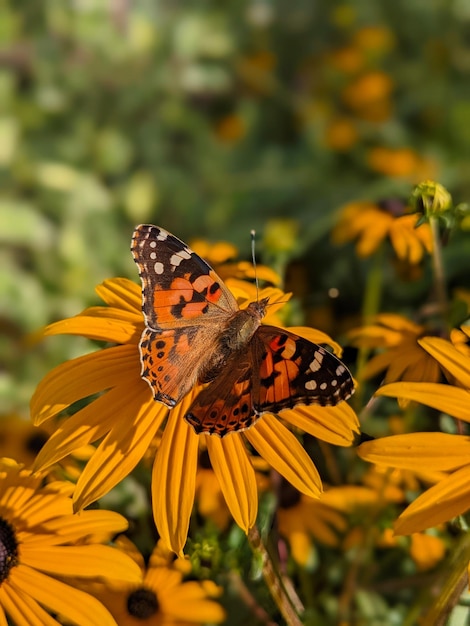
[{"x": 195, "y": 333}]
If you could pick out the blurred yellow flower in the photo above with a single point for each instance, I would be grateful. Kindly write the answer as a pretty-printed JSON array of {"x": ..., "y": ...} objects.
[
  {"x": 400, "y": 353},
  {"x": 341, "y": 134},
  {"x": 367, "y": 89},
  {"x": 230, "y": 128},
  {"x": 163, "y": 598},
  {"x": 43, "y": 544},
  {"x": 371, "y": 224},
  {"x": 399, "y": 162}
]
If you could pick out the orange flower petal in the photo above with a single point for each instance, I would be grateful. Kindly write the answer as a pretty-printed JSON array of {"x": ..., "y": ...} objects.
[
  {"x": 440, "y": 503},
  {"x": 121, "y": 293},
  {"x": 87, "y": 561},
  {"x": 236, "y": 476},
  {"x": 413, "y": 451},
  {"x": 83, "y": 377},
  {"x": 284, "y": 453},
  {"x": 174, "y": 478},
  {"x": 449, "y": 357},
  {"x": 101, "y": 324},
  {"x": 335, "y": 424},
  {"x": 450, "y": 400},
  {"x": 117, "y": 455},
  {"x": 61, "y": 598}
]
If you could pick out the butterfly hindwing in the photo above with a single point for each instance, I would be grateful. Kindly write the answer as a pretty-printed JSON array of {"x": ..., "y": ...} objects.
[
  {"x": 178, "y": 287},
  {"x": 226, "y": 404},
  {"x": 296, "y": 371}
]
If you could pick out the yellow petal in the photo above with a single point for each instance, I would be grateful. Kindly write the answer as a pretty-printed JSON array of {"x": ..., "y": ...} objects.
[
  {"x": 335, "y": 424},
  {"x": 77, "y": 606},
  {"x": 83, "y": 377},
  {"x": 23, "y": 610},
  {"x": 283, "y": 452},
  {"x": 136, "y": 424},
  {"x": 316, "y": 336},
  {"x": 236, "y": 477},
  {"x": 88, "y": 561},
  {"x": 449, "y": 357},
  {"x": 450, "y": 400},
  {"x": 174, "y": 479},
  {"x": 101, "y": 324},
  {"x": 426, "y": 550},
  {"x": 121, "y": 293},
  {"x": 440, "y": 503},
  {"x": 437, "y": 451},
  {"x": 72, "y": 528}
]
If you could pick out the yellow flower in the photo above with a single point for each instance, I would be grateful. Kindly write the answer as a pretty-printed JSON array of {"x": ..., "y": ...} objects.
[
  {"x": 341, "y": 134},
  {"x": 125, "y": 418},
  {"x": 368, "y": 89},
  {"x": 163, "y": 598},
  {"x": 221, "y": 256},
  {"x": 304, "y": 521},
  {"x": 231, "y": 128},
  {"x": 399, "y": 162},
  {"x": 400, "y": 352},
  {"x": 442, "y": 452},
  {"x": 371, "y": 224},
  {"x": 43, "y": 544}
]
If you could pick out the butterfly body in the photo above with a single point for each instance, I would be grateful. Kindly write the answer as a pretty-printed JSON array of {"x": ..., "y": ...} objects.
[{"x": 195, "y": 333}]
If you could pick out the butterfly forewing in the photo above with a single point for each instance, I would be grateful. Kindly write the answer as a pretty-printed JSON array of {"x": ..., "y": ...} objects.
[
  {"x": 178, "y": 287},
  {"x": 184, "y": 302}
]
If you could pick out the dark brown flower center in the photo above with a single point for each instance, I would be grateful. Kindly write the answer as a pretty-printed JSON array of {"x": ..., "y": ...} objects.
[
  {"x": 142, "y": 603},
  {"x": 288, "y": 496},
  {"x": 8, "y": 549}
]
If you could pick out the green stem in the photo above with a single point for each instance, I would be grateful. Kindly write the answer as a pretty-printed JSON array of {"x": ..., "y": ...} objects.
[
  {"x": 438, "y": 271},
  {"x": 288, "y": 603}
]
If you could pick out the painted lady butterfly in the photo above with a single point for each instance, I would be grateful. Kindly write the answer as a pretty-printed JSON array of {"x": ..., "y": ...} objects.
[{"x": 196, "y": 333}]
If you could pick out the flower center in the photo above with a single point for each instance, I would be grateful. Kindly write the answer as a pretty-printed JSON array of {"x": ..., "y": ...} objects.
[
  {"x": 8, "y": 549},
  {"x": 142, "y": 603}
]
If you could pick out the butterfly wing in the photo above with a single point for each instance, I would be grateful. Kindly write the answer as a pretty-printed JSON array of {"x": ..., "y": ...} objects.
[
  {"x": 178, "y": 287},
  {"x": 293, "y": 371},
  {"x": 184, "y": 304},
  {"x": 226, "y": 404},
  {"x": 279, "y": 370}
]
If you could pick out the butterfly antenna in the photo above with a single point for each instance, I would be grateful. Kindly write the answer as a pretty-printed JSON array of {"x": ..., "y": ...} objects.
[{"x": 253, "y": 258}]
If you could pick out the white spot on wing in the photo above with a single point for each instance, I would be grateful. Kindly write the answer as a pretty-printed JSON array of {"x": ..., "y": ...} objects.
[
  {"x": 311, "y": 385},
  {"x": 153, "y": 244},
  {"x": 175, "y": 260},
  {"x": 159, "y": 268},
  {"x": 153, "y": 256},
  {"x": 162, "y": 235},
  {"x": 340, "y": 370}
]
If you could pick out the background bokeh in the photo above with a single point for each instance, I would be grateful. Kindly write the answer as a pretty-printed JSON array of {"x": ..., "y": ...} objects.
[{"x": 209, "y": 119}]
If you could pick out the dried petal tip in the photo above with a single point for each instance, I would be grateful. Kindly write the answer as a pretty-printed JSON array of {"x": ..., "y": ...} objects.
[{"x": 431, "y": 198}]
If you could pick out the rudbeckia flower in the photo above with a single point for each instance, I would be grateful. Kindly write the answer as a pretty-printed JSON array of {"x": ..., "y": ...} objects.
[
  {"x": 371, "y": 224},
  {"x": 163, "y": 598},
  {"x": 125, "y": 418},
  {"x": 444, "y": 452},
  {"x": 400, "y": 353},
  {"x": 43, "y": 544}
]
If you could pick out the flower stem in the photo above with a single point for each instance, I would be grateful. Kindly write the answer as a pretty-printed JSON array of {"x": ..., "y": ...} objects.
[
  {"x": 438, "y": 271},
  {"x": 283, "y": 595}
]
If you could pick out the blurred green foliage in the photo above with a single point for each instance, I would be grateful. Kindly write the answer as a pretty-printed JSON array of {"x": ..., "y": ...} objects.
[{"x": 209, "y": 119}]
